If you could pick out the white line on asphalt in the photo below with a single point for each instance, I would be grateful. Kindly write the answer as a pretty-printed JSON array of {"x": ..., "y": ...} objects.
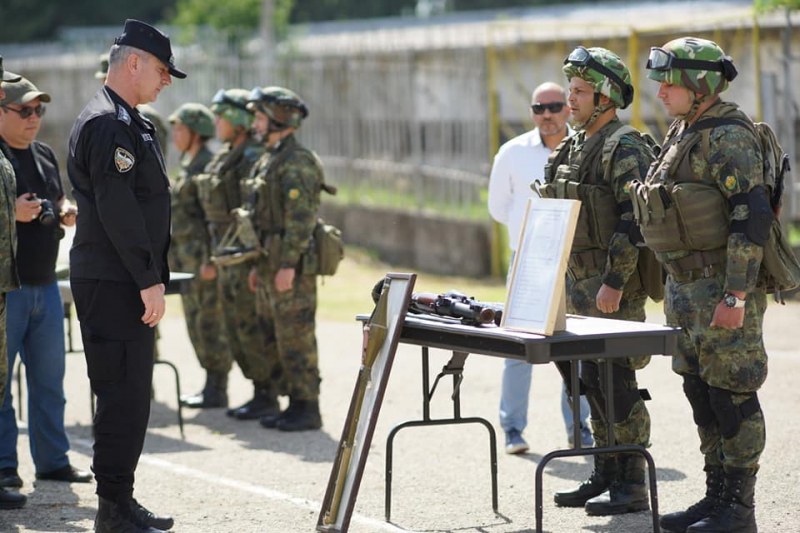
[{"x": 265, "y": 492}]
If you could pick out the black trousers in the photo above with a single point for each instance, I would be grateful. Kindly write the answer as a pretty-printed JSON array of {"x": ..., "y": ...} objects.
[{"x": 119, "y": 359}]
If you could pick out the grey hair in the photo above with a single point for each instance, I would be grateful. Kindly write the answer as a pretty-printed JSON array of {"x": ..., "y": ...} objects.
[{"x": 119, "y": 54}]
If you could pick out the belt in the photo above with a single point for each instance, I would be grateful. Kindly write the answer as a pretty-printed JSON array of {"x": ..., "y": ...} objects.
[{"x": 697, "y": 265}]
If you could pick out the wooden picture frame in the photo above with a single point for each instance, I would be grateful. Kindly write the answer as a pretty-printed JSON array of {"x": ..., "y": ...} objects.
[
  {"x": 359, "y": 427},
  {"x": 536, "y": 298}
]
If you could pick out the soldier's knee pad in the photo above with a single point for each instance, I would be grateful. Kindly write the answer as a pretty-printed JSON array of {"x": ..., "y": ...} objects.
[
  {"x": 729, "y": 415},
  {"x": 696, "y": 391}
]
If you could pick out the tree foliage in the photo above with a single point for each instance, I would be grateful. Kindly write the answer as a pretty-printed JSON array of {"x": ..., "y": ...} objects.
[
  {"x": 40, "y": 20},
  {"x": 768, "y": 5}
]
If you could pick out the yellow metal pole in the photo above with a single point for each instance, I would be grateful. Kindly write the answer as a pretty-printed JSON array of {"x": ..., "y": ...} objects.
[
  {"x": 756, "y": 34},
  {"x": 497, "y": 252},
  {"x": 633, "y": 67}
]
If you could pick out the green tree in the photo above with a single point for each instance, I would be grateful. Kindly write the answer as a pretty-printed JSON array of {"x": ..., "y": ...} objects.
[
  {"x": 767, "y": 5},
  {"x": 40, "y": 20},
  {"x": 234, "y": 17}
]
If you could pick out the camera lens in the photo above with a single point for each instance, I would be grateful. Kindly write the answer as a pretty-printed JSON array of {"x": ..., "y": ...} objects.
[{"x": 47, "y": 216}]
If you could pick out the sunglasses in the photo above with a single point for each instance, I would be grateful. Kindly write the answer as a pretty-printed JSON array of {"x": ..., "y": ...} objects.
[
  {"x": 553, "y": 107},
  {"x": 27, "y": 112}
]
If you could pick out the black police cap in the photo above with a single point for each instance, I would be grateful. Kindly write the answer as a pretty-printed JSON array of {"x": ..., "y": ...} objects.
[{"x": 145, "y": 37}]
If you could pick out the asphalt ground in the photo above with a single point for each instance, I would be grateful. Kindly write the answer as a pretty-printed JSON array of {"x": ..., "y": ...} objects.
[{"x": 232, "y": 476}]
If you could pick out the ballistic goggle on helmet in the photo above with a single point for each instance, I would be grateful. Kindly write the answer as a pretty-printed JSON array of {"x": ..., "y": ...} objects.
[
  {"x": 604, "y": 70},
  {"x": 284, "y": 107},
  {"x": 697, "y": 64},
  {"x": 231, "y": 104}
]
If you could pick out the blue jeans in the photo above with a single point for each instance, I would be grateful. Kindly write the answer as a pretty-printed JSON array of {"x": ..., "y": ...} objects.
[
  {"x": 515, "y": 394},
  {"x": 35, "y": 328}
]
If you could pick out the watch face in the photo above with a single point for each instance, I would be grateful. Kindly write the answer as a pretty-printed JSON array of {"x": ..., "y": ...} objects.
[{"x": 730, "y": 300}]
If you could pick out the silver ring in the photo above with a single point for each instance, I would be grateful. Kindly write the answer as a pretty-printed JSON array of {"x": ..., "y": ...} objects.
[{"x": 155, "y": 314}]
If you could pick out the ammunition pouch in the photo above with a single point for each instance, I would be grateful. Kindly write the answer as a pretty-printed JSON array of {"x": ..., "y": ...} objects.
[
  {"x": 697, "y": 265},
  {"x": 683, "y": 216},
  {"x": 213, "y": 198},
  {"x": 598, "y": 213}
]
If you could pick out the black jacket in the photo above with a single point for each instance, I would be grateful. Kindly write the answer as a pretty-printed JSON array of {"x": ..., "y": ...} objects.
[{"x": 120, "y": 183}]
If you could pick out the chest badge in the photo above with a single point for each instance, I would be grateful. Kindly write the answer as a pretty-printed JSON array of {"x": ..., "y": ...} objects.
[{"x": 123, "y": 160}]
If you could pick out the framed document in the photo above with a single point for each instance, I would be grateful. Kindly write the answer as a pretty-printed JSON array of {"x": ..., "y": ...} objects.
[
  {"x": 381, "y": 335},
  {"x": 536, "y": 299}
]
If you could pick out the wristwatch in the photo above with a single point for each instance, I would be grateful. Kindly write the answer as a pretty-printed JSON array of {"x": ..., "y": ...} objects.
[{"x": 732, "y": 301}]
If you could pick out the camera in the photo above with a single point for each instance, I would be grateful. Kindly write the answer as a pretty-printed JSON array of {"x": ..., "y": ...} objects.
[{"x": 47, "y": 215}]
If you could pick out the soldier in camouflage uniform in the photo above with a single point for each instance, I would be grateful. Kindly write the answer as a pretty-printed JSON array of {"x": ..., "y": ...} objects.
[
  {"x": 8, "y": 270},
  {"x": 219, "y": 190},
  {"x": 603, "y": 279},
  {"x": 285, "y": 196},
  {"x": 699, "y": 210},
  {"x": 192, "y": 127}
]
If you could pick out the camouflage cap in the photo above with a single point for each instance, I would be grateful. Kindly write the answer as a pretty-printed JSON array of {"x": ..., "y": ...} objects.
[
  {"x": 231, "y": 104},
  {"x": 7, "y": 76},
  {"x": 22, "y": 91},
  {"x": 603, "y": 70},
  {"x": 102, "y": 72},
  {"x": 283, "y": 106},
  {"x": 196, "y": 117},
  {"x": 697, "y": 64}
]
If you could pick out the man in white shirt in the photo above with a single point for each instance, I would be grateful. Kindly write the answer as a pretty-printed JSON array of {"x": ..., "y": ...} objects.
[{"x": 518, "y": 163}]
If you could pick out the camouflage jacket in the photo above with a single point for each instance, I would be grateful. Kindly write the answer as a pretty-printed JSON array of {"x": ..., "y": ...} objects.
[
  {"x": 190, "y": 242},
  {"x": 219, "y": 186},
  {"x": 284, "y": 193},
  {"x": 731, "y": 161},
  {"x": 8, "y": 227},
  {"x": 630, "y": 161}
]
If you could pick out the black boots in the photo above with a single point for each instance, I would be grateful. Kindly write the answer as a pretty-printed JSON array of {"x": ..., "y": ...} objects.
[
  {"x": 627, "y": 494},
  {"x": 736, "y": 510},
  {"x": 678, "y": 522},
  {"x": 128, "y": 516},
  {"x": 214, "y": 394},
  {"x": 301, "y": 415},
  {"x": 11, "y": 500},
  {"x": 263, "y": 404},
  {"x": 605, "y": 469}
]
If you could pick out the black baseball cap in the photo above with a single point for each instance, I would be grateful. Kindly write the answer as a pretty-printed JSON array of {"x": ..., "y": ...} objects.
[
  {"x": 145, "y": 37},
  {"x": 7, "y": 76}
]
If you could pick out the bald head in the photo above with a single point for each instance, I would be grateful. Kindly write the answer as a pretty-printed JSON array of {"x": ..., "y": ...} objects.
[{"x": 548, "y": 87}]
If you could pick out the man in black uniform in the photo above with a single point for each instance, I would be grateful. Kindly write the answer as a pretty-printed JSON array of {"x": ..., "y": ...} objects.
[{"x": 118, "y": 262}]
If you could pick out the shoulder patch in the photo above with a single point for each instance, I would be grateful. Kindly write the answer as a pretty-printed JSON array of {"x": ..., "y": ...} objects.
[
  {"x": 730, "y": 183},
  {"x": 294, "y": 194},
  {"x": 123, "y": 115},
  {"x": 123, "y": 160}
]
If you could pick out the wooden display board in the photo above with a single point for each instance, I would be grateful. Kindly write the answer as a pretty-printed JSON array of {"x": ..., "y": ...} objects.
[
  {"x": 536, "y": 299},
  {"x": 381, "y": 334}
]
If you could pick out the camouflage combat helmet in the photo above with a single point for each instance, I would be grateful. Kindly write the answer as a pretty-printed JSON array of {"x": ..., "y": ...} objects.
[
  {"x": 283, "y": 106},
  {"x": 604, "y": 70},
  {"x": 231, "y": 104},
  {"x": 697, "y": 64},
  {"x": 196, "y": 117}
]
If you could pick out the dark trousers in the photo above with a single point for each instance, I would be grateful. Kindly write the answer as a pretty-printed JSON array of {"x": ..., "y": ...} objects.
[{"x": 119, "y": 360}]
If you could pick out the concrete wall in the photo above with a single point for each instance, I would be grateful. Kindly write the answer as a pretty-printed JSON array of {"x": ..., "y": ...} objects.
[{"x": 432, "y": 244}]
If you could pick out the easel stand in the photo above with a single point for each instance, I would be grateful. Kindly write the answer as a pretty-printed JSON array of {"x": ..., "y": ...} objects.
[{"x": 455, "y": 368}]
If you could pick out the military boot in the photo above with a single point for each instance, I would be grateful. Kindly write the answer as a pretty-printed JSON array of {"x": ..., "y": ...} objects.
[
  {"x": 304, "y": 416},
  {"x": 679, "y": 521},
  {"x": 736, "y": 510},
  {"x": 116, "y": 518},
  {"x": 11, "y": 500},
  {"x": 263, "y": 404},
  {"x": 214, "y": 394},
  {"x": 605, "y": 469},
  {"x": 627, "y": 494}
]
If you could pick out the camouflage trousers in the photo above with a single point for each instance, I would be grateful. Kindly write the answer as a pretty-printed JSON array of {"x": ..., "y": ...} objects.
[
  {"x": 725, "y": 359},
  {"x": 291, "y": 317},
  {"x": 251, "y": 343},
  {"x": 3, "y": 347},
  {"x": 202, "y": 310},
  {"x": 631, "y": 417}
]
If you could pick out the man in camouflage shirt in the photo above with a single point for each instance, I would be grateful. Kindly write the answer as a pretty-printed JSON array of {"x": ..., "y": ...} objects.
[
  {"x": 285, "y": 196},
  {"x": 701, "y": 210},
  {"x": 603, "y": 279},
  {"x": 8, "y": 271},
  {"x": 192, "y": 127},
  {"x": 219, "y": 189}
]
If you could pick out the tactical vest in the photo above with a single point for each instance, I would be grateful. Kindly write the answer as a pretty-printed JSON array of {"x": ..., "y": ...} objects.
[
  {"x": 579, "y": 180},
  {"x": 680, "y": 207}
]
